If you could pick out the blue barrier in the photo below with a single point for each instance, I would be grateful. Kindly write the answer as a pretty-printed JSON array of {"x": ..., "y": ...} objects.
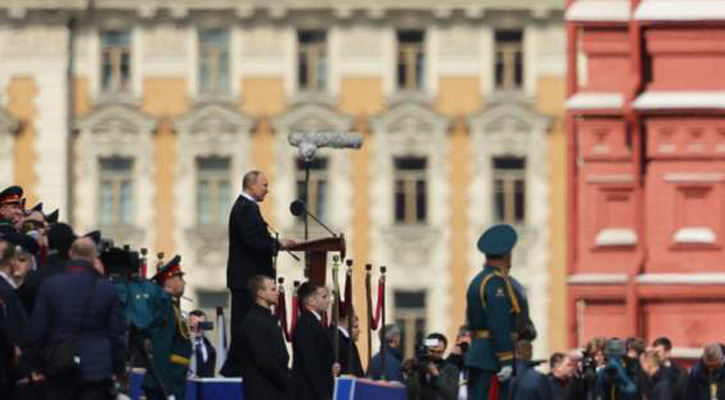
[{"x": 231, "y": 389}]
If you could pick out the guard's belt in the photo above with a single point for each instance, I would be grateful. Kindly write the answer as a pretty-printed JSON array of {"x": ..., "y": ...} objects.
[
  {"x": 180, "y": 360},
  {"x": 486, "y": 334}
]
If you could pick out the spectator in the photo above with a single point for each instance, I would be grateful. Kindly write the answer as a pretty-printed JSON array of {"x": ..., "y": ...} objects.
[
  {"x": 663, "y": 347},
  {"x": 457, "y": 357},
  {"x": 16, "y": 320},
  {"x": 82, "y": 305},
  {"x": 203, "y": 359},
  {"x": 390, "y": 346},
  {"x": 561, "y": 377},
  {"x": 429, "y": 376},
  {"x": 528, "y": 383},
  {"x": 595, "y": 349},
  {"x": 615, "y": 381},
  {"x": 707, "y": 380},
  {"x": 661, "y": 384}
]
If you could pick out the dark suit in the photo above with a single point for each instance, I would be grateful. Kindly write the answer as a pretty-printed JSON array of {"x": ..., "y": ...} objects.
[
  {"x": 16, "y": 331},
  {"x": 58, "y": 313},
  {"x": 251, "y": 249},
  {"x": 204, "y": 369},
  {"x": 264, "y": 368},
  {"x": 313, "y": 358},
  {"x": 346, "y": 367}
]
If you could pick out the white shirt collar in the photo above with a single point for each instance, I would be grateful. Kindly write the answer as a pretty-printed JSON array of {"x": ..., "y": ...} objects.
[
  {"x": 248, "y": 197},
  {"x": 344, "y": 331},
  {"x": 318, "y": 316},
  {"x": 9, "y": 280}
]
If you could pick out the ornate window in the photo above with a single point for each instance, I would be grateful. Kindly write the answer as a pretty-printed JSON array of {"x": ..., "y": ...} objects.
[
  {"x": 115, "y": 188},
  {"x": 410, "y": 190},
  {"x": 116, "y": 191},
  {"x": 317, "y": 189},
  {"x": 312, "y": 60},
  {"x": 509, "y": 189},
  {"x": 213, "y": 190},
  {"x": 116, "y": 61},
  {"x": 509, "y": 59},
  {"x": 411, "y": 60},
  {"x": 213, "y": 61},
  {"x": 410, "y": 316}
]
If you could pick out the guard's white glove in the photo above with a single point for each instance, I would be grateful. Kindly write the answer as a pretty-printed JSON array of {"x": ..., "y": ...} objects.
[{"x": 505, "y": 373}]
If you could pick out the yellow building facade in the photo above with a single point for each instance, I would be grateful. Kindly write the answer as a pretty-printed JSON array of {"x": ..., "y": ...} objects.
[{"x": 141, "y": 120}]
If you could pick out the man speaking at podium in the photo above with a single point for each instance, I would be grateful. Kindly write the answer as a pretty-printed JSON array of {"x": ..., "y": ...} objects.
[{"x": 251, "y": 252}]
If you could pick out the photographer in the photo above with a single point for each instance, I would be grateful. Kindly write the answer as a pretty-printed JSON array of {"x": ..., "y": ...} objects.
[
  {"x": 616, "y": 381},
  {"x": 429, "y": 377},
  {"x": 203, "y": 359},
  {"x": 528, "y": 383}
]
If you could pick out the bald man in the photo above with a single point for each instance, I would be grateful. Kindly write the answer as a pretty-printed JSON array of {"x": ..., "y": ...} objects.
[{"x": 81, "y": 302}]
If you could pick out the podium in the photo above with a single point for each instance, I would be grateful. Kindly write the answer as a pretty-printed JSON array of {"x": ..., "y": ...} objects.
[{"x": 316, "y": 254}]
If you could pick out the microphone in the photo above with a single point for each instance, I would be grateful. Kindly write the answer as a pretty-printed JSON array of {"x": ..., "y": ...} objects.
[
  {"x": 308, "y": 142},
  {"x": 298, "y": 208}
]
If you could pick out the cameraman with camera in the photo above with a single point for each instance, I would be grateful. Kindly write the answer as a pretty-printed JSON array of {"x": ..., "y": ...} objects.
[
  {"x": 429, "y": 377},
  {"x": 203, "y": 359},
  {"x": 617, "y": 380}
]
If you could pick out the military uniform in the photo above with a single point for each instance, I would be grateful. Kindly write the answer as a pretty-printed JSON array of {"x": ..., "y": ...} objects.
[
  {"x": 170, "y": 342},
  {"x": 10, "y": 197},
  {"x": 493, "y": 316}
]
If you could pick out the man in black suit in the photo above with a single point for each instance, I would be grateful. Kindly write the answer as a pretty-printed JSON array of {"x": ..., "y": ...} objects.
[
  {"x": 265, "y": 370},
  {"x": 346, "y": 341},
  {"x": 203, "y": 359},
  {"x": 312, "y": 369},
  {"x": 251, "y": 252}
]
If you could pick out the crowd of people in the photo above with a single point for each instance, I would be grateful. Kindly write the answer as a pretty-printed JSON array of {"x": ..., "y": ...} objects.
[{"x": 71, "y": 326}]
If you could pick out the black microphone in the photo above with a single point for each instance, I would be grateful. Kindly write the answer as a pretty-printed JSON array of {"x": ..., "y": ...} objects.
[{"x": 298, "y": 208}]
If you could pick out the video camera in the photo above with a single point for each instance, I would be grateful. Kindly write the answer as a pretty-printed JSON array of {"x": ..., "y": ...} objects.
[{"x": 121, "y": 262}]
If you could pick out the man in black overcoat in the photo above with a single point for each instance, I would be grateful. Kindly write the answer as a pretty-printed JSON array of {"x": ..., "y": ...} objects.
[
  {"x": 346, "y": 340},
  {"x": 265, "y": 371},
  {"x": 251, "y": 252},
  {"x": 312, "y": 369}
]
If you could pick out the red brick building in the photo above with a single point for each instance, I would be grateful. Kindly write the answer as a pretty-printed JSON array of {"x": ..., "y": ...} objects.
[{"x": 646, "y": 121}]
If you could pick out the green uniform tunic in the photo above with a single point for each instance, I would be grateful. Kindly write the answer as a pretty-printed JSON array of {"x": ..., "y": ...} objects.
[
  {"x": 171, "y": 348},
  {"x": 492, "y": 313}
]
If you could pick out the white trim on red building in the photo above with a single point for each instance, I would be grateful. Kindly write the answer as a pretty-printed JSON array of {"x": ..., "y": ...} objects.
[
  {"x": 598, "y": 11},
  {"x": 686, "y": 99},
  {"x": 595, "y": 101},
  {"x": 675, "y": 10}
]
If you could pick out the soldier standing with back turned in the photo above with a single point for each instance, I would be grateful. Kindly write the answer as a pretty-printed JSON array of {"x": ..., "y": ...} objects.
[{"x": 492, "y": 312}]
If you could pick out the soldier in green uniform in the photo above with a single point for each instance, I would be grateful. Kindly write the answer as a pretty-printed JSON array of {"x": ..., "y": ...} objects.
[
  {"x": 493, "y": 312},
  {"x": 11, "y": 207},
  {"x": 169, "y": 335}
]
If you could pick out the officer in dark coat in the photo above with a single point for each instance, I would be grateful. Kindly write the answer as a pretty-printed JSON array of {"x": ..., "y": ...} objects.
[
  {"x": 170, "y": 338},
  {"x": 251, "y": 250},
  {"x": 312, "y": 346},
  {"x": 492, "y": 312},
  {"x": 83, "y": 304},
  {"x": 265, "y": 370},
  {"x": 11, "y": 206}
]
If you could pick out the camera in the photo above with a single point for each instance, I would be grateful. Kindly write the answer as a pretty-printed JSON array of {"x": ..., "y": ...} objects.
[
  {"x": 120, "y": 262},
  {"x": 205, "y": 326}
]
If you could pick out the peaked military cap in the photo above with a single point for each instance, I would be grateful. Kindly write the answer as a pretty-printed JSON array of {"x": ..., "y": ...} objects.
[
  {"x": 52, "y": 218},
  {"x": 172, "y": 268},
  {"x": 497, "y": 240},
  {"x": 11, "y": 195},
  {"x": 27, "y": 243}
]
